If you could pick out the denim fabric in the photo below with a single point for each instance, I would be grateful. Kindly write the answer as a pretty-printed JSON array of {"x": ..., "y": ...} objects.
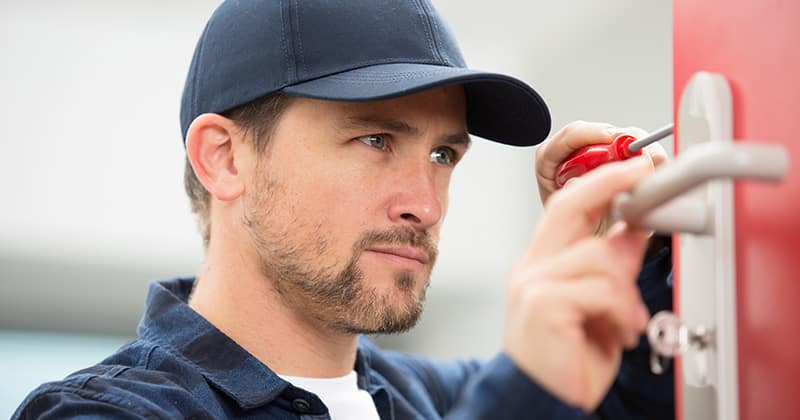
[{"x": 181, "y": 366}]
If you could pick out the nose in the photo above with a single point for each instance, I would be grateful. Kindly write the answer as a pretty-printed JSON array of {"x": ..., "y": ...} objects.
[{"x": 416, "y": 200}]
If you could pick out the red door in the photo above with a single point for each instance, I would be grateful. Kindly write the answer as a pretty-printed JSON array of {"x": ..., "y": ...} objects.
[{"x": 755, "y": 44}]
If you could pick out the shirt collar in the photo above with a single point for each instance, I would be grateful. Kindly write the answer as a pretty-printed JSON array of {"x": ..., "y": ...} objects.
[{"x": 169, "y": 322}]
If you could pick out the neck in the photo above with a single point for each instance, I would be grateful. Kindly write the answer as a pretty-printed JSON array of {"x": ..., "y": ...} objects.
[{"x": 233, "y": 294}]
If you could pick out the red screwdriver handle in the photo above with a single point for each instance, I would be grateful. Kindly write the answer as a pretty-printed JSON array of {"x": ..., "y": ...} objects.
[{"x": 589, "y": 157}]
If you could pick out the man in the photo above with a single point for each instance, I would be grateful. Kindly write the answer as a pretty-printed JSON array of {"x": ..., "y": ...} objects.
[{"x": 320, "y": 139}]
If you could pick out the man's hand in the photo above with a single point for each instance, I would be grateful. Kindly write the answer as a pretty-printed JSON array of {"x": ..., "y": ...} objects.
[
  {"x": 573, "y": 302},
  {"x": 575, "y": 135}
]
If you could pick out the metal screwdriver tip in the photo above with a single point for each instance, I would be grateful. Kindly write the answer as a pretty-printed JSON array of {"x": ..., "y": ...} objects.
[{"x": 651, "y": 138}]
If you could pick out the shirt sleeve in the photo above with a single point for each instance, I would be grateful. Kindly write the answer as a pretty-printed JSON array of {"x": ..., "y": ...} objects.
[
  {"x": 71, "y": 404},
  {"x": 637, "y": 393},
  {"x": 500, "y": 390}
]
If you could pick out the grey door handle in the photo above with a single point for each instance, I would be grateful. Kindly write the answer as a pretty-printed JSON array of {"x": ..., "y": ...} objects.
[{"x": 656, "y": 202}]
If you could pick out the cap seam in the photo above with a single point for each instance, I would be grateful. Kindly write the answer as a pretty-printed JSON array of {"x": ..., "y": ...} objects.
[
  {"x": 440, "y": 69},
  {"x": 285, "y": 47},
  {"x": 434, "y": 29},
  {"x": 367, "y": 78},
  {"x": 196, "y": 77},
  {"x": 426, "y": 24},
  {"x": 367, "y": 63},
  {"x": 298, "y": 40}
]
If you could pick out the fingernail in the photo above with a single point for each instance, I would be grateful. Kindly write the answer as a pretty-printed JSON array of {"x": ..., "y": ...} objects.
[{"x": 616, "y": 228}]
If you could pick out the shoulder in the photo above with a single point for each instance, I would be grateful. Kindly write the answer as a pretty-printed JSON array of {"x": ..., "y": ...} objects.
[{"x": 141, "y": 380}]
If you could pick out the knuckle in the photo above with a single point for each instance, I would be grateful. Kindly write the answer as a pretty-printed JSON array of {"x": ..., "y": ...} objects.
[
  {"x": 533, "y": 296},
  {"x": 520, "y": 280},
  {"x": 540, "y": 150},
  {"x": 572, "y": 127}
]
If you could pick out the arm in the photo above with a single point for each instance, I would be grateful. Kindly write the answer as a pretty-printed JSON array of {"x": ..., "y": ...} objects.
[{"x": 500, "y": 390}]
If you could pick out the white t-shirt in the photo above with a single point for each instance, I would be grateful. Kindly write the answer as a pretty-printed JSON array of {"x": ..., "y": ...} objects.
[{"x": 345, "y": 401}]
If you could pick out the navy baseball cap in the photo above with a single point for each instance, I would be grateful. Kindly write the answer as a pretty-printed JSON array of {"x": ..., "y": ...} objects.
[{"x": 354, "y": 50}]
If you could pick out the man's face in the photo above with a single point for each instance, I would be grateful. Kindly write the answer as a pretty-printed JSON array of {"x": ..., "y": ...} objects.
[{"x": 346, "y": 203}]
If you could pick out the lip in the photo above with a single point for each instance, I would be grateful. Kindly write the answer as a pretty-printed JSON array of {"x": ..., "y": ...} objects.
[{"x": 406, "y": 252}]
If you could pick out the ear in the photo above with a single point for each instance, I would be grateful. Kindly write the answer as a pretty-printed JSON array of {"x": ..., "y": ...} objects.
[{"x": 210, "y": 149}]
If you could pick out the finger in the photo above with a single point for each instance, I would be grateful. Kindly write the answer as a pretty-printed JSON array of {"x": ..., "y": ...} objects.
[
  {"x": 618, "y": 257},
  {"x": 572, "y": 214},
  {"x": 657, "y": 154},
  {"x": 566, "y": 184},
  {"x": 572, "y": 137},
  {"x": 551, "y": 153},
  {"x": 598, "y": 300}
]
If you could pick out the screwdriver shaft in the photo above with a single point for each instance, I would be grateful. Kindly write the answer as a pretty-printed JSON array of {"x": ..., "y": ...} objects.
[{"x": 651, "y": 138}]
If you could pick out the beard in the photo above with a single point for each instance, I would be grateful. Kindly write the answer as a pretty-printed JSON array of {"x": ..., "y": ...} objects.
[{"x": 335, "y": 296}]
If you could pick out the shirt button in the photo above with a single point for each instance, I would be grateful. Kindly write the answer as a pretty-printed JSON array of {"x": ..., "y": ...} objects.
[{"x": 300, "y": 405}]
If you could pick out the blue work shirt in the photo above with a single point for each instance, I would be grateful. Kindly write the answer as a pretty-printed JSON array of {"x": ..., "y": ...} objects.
[{"x": 181, "y": 366}]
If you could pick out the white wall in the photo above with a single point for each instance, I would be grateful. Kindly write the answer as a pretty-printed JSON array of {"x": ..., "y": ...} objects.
[{"x": 91, "y": 164}]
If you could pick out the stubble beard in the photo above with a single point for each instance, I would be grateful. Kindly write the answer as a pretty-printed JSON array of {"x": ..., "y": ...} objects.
[{"x": 336, "y": 299}]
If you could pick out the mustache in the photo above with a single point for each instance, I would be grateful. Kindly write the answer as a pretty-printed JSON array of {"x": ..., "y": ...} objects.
[{"x": 399, "y": 236}]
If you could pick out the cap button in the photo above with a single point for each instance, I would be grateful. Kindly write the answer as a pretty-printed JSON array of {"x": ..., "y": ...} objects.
[{"x": 300, "y": 405}]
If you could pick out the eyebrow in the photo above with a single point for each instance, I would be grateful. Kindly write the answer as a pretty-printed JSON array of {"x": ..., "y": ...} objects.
[{"x": 398, "y": 126}]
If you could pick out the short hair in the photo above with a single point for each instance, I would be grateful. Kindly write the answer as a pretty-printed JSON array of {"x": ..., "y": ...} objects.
[{"x": 256, "y": 119}]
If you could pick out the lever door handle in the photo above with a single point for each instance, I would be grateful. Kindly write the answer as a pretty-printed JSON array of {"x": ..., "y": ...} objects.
[{"x": 656, "y": 202}]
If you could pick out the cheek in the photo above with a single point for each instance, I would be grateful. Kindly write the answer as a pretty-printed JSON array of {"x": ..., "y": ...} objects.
[{"x": 337, "y": 204}]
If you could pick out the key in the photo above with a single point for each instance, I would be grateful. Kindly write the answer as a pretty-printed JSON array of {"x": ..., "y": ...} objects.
[{"x": 668, "y": 337}]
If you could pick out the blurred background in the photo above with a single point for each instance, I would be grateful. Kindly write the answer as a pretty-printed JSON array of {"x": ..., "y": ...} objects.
[{"x": 91, "y": 168}]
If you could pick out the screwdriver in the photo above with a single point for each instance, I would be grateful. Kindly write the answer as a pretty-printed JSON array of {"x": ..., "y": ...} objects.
[{"x": 622, "y": 147}]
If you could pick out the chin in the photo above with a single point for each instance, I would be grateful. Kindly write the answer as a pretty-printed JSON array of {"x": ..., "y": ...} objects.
[
  {"x": 393, "y": 280},
  {"x": 393, "y": 307}
]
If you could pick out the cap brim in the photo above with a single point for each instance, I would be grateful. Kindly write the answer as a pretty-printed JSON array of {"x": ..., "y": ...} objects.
[{"x": 499, "y": 108}]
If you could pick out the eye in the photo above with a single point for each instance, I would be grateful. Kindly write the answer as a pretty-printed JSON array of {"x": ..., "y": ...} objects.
[
  {"x": 377, "y": 141},
  {"x": 444, "y": 156}
]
